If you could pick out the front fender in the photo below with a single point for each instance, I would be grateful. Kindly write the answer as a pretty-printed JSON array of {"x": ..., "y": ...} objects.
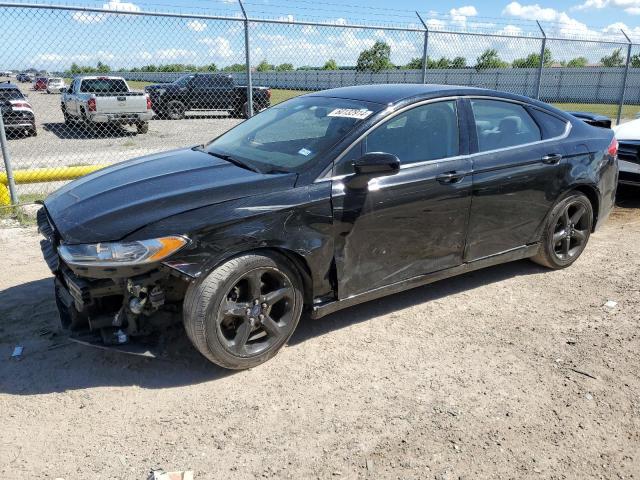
[{"x": 298, "y": 220}]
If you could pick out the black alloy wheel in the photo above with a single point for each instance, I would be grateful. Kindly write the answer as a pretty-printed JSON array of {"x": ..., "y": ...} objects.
[
  {"x": 567, "y": 232},
  {"x": 244, "y": 311},
  {"x": 256, "y": 312}
]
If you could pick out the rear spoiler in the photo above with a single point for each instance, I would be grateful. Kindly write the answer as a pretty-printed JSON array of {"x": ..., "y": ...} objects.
[{"x": 593, "y": 119}]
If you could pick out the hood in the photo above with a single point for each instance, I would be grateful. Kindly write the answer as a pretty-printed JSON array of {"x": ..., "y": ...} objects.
[
  {"x": 109, "y": 204},
  {"x": 628, "y": 130}
]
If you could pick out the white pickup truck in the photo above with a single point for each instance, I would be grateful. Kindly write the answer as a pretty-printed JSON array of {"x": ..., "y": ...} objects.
[{"x": 105, "y": 100}]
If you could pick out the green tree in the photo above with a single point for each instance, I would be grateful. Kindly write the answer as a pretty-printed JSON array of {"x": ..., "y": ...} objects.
[
  {"x": 264, "y": 66},
  {"x": 635, "y": 61},
  {"x": 459, "y": 62},
  {"x": 578, "y": 62},
  {"x": 614, "y": 60},
  {"x": 103, "y": 68},
  {"x": 330, "y": 65},
  {"x": 284, "y": 67},
  {"x": 212, "y": 67},
  {"x": 235, "y": 67},
  {"x": 490, "y": 59},
  {"x": 414, "y": 64},
  {"x": 533, "y": 60},
  {"x": 375, "y": 59}
]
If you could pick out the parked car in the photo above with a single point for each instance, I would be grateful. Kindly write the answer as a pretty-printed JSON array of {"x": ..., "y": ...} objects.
[
  {"x": 594, "y": 119},
  {"x": 23, "y": 77},
  {"x": 628, "y": 135},
  {"x": 205, "y": 91},
  {"x": 40, "y": 83},
  {"x": 56, "y": 85},
  {"x": 319, "y": 203},
  {"x": 17, "y": 113},
  {"x": 6, "y": 73},
  {"x": 105, "y": 101}
]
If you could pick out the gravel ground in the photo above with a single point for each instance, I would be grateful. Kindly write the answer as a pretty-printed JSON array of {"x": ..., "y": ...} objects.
[
  {"x": 510, "y": 372},
  {"x": 59, "y": 145}
]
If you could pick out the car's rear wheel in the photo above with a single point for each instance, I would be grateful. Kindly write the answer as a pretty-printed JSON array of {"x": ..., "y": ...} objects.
[
  {"x": 566, "y": 232},
  {"x": 243, "y": 312},
  {"x": 142, "y": 127},
  {"x": 245, "y": 110},
  {"x": 175, "y": 110}
]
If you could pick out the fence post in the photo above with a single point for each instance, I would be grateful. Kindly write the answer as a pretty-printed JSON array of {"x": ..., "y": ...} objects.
[
  {"x": 424, "y": 48},
  {"x": 624, "y": 79},
  {"x": 541, "y": 64},
  {"x": 247, "y": 53},
  {"x": 7, "y": 163}
]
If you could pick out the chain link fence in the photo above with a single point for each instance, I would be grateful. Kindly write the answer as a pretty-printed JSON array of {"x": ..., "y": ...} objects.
[{"x": 87, "y": 87}]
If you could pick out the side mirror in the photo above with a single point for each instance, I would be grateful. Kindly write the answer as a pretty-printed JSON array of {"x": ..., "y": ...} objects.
[{"x": 371, "y": 165}]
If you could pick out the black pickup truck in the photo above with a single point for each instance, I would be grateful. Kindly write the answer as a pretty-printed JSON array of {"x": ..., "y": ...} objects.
[{"x": 205, "y": 91}]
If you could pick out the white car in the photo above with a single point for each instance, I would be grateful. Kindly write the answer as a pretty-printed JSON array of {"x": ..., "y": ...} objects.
[
  {"x": 56, "y": 85},
  {"x": 628, "y": 135}
]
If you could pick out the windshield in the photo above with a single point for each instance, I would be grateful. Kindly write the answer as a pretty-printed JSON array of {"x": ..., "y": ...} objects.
[
  {"x": 103, "y": 85},
  {"x": 183, "y": 81},
  {"x": 292, "y": 134},
  {"x": 55, "y": 80},
  {"x": 10, "y": 94}
]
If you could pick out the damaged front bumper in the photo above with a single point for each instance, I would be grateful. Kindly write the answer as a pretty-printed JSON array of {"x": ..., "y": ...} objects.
[{"x": 114, "y": 309}]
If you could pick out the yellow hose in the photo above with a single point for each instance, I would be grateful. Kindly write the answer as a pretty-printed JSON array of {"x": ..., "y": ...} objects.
[{"x": 38, "y": 175}]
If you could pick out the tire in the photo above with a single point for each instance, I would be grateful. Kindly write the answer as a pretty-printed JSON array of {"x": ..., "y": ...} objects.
[
  {"x": 33, "y": 131},
  {"x": 566, "y": 232},
  {"x": 142, "y": 127},
  {"x": 245, "y": 110},
  {"x": 175, "y": 110},
  {"x": 67, "y": 118},
  {"x": 231, "y": 337}
]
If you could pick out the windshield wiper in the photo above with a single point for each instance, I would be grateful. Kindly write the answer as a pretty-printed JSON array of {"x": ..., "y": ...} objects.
[{"x": 229, "y": 158}]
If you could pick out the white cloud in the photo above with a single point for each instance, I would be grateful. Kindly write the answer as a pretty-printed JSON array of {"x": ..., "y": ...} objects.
[
  {"x": 220, "y": 46},
  {"x": 340, "y": 21},
  {"x": 286, "y": 18},
  {"x": 467, "y": 11},
  {"x": 174, "y": 54},
  {"x": 196, "y": 25},
  {"x": 632, "y": 7},
  {"x": 114, "y": 5},
  {"x": 309, "y": 30}
]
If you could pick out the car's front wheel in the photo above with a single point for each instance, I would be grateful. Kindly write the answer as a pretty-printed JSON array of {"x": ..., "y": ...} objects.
[
  {"x": 566, "y": 232},
  {"x": 243, "y": 312}
]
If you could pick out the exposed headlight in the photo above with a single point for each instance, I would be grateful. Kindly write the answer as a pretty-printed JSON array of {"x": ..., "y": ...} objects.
[
  {"x": 112, "y": 254},
  {"x": 160, "y": 91}
]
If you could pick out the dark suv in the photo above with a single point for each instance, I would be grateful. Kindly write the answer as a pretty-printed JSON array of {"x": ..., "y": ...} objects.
[
  {"x": 205, "y": 91},
  {"x": 17, "y": 113}
]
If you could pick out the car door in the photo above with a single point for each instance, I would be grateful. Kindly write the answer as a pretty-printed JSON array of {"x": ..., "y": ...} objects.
[
  {"x": 517, "y": 173},
  {"x": 410, "y": 223},
  {"x": 199, "y": 96}
]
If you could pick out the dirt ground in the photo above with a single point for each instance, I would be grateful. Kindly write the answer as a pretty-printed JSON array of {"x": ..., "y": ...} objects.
[{"x": 511, "y": 372}]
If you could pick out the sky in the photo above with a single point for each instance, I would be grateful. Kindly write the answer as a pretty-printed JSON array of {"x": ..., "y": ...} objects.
[{"x": 53, "y": 39}]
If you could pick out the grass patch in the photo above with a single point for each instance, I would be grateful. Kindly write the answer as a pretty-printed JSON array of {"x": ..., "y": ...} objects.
[
  {"x": 611, "y": 111},
  {"x": 279, "y": 95}
]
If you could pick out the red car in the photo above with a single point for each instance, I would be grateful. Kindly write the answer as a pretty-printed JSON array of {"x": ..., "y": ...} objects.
[{"x": 40, "y": 83}]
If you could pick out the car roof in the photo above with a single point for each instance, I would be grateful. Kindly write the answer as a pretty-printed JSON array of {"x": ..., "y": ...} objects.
[
  {"x": 8, "y": 85},
  {"x": 393, "y": 93}
]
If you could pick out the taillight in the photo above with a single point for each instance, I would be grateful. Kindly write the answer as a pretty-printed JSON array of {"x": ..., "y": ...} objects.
[
  {"x": 21, "y": 105},
  {"x": 149, "y": 105},
  {"x": 269, "y": 93},
  {"x": 613, "y": 147},
  {"x": 91, "y": 104}
]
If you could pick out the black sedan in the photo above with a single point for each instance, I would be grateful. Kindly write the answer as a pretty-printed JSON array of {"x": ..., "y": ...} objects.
[{"x": 322, "y": 202}]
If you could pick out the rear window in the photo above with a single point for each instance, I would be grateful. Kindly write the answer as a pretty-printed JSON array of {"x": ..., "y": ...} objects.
[
  {"x": 55, "y": 80},
  {"x": 551, "y": 125},
  {"x": 10, "y": 94},
  {"x": 104, "y": 85}
]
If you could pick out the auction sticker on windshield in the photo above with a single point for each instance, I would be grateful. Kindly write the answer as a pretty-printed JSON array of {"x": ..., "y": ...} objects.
[{"x": 360, "y": 114}]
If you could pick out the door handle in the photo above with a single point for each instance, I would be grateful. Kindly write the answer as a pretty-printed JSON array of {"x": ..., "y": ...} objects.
[
  {"x": 451, "y": 177},
  {"x": 552, "y": 159}
]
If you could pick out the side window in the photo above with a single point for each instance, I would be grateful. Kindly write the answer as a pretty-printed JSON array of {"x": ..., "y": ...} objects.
[
  {"x": 551, "y": 125},
  {"x": 427, "y": 132},
  {"x": 503, "y": 124}
]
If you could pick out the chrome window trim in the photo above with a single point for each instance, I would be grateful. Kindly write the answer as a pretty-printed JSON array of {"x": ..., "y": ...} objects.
[{"x": 323, "y": 176}]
